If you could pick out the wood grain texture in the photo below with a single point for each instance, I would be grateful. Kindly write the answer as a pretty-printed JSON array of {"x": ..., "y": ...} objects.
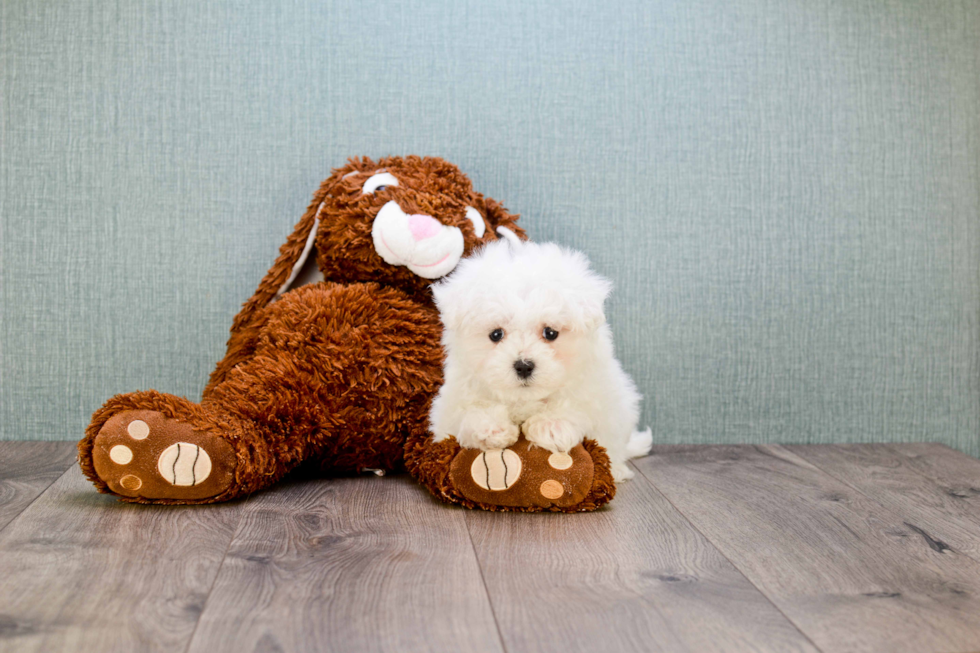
[
  {"x": 355, "y": 564},
  {"x": 858, "y": 547},
  {"x": 83, "y": 572},
  {"x": 931, "y": 487},
  {"x": 632, "y": 577},
  {"x": 26, "y": 470},
  {"x": 851, "y": 574},
  {"x": 952, "y": 469}
]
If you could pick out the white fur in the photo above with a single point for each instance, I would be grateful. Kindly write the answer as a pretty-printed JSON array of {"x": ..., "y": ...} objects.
[{"x": 577, "y": 389}]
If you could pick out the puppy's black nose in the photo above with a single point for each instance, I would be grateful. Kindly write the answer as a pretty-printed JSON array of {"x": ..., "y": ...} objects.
[{"x": 524, "y": 368}]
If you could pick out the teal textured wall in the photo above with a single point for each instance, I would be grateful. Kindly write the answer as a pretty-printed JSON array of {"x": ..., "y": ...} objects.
[{"x": 787, "y": 194}]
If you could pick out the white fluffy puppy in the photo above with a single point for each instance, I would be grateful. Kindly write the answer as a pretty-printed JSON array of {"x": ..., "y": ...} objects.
[{"x": 528, "y": 350}]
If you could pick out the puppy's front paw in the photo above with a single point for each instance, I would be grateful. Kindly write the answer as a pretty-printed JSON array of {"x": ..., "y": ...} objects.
[
  {"x": 621, "y": 472},
  {"x": 485, "y": 430},
  {"x": 498, "y": 437},
  {"x": 552, "y": 433}
]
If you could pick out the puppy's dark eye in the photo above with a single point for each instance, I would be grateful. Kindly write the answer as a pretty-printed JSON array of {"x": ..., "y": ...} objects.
[
  {"x": 497, "y": 335},
  {"x": 549, "y": 333},
  {"x": 380, "y": 188}
]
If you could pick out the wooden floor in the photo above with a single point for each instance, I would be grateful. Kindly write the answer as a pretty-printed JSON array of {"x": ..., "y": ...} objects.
[{"x": 720, "y": 548}]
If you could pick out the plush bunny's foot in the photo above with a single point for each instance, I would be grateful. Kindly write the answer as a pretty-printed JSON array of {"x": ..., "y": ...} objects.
[
  {"x": 143, "y": 454},
  {"x": 522, "y": 477}
]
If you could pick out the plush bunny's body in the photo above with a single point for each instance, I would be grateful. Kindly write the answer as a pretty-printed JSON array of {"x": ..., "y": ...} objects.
[{"x": 334, "y": 360}]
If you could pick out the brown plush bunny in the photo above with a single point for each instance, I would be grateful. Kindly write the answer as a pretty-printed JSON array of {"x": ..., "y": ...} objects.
[{"x": 335, "y": 360}]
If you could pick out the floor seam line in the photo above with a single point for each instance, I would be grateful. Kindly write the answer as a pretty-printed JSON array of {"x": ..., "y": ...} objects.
[
  {"x": 723, "y": 555},
  {"x": 217, "y": 574},
  {"x": 483, "y": 579},
  {"x": 40, "y": 494}
]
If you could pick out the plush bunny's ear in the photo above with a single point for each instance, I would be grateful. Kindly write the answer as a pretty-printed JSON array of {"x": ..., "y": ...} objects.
[
  {"x": 292, "y": 255},
  {"x": 508, "y": 235},
  {"x": 297, "y": 249},
  {"x": 504, "y": 223}
]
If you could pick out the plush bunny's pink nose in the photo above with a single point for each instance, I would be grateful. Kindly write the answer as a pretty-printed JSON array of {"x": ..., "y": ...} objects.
[{"x": 423, "y": 226}]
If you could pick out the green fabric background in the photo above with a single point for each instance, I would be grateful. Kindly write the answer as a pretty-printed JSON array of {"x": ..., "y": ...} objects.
[{"x": 786, "y": 194}]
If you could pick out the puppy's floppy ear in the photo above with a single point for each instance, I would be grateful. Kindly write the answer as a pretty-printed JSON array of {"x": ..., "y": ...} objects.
[
  {"x": 499, "y": 217},
  {"x": 590, "y": 299},
  {"x": 447, "y": 298},
  {"x": 291, "y": 257}
]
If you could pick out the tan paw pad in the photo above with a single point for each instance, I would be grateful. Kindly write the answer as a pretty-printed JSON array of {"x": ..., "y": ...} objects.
[
  {"x": 560, "y": 460},
  {"x": 496, "y": 469},
  {"x": 130, "y": 482},
  {"x": 121, "y": 454},
  {"x": 138, "y": 429},
  {"x": 183, "y": 463},
  {"x": 552, "y": 489}
]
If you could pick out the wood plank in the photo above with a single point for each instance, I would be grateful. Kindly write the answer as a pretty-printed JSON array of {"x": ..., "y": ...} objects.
[
  {"x": 952, "y": 469},
  {"x": 84, "y": 572},
  {"x": 948, "y": 509},
  {"x": 26, "y": 470},
  {"x": 851, "y": 574},
  {"x": 350, "y": 564},
  {"x": 634, "y": 576}
]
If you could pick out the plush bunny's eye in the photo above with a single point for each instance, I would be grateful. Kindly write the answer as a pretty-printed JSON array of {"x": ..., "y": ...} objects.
[
  {"x": 378, "y": 182},
  {"x": 479, "y": 227},
  {"x": 497, "y": 335}
]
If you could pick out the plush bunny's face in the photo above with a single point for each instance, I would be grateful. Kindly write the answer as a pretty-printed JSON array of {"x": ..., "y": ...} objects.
[
  {"x": 402, "y": 221},
  {"x": 428, "y": 247}
]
